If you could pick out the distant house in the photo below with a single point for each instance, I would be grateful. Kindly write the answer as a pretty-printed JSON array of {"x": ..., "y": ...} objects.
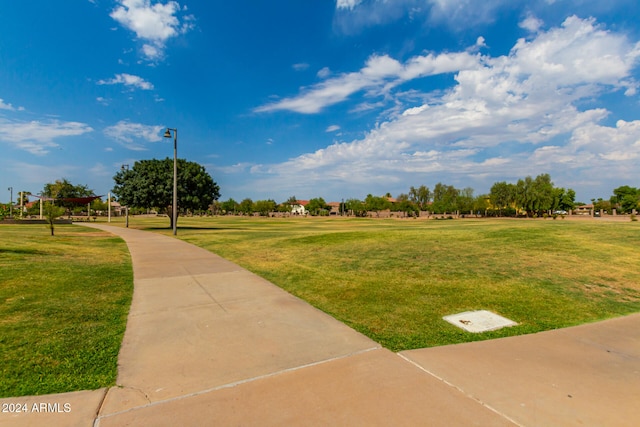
[
  {"x": 334, "y": 208},
  {"x": 299, "y": 208},
  {"x": 584, "y": 209},
  {"x": 116, "y": 208}
]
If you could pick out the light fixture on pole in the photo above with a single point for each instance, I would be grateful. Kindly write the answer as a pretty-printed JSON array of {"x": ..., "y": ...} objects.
[{"x": 174, "y": 208}]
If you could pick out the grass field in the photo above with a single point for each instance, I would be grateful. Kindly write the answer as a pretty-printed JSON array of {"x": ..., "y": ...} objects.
[
  {"x": 393, "y": 280},
  {"x": 64, "y": 302},
  {"x": 64, "y": 299}
]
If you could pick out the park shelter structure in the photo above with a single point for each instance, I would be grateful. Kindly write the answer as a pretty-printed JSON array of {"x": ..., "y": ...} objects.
[{"x": 76, "y": 200}]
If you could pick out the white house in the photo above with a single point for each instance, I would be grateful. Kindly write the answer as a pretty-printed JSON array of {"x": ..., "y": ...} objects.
[{"x": 299, "y": 208}]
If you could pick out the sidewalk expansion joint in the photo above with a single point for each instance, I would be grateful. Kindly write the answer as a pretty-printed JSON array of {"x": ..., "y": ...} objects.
[
  {"x": 175, "y": 308},
  {"x": 470, "y": 396},
  {"x": 205, "y": 290},
  {"x": 100, "y": 405},
  {"x": 237, "y": 383}
]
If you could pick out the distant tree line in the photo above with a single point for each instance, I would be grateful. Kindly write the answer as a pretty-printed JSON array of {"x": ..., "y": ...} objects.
[
  {"x": 624, "y": 199},
  {"x": 148, "y": 185},
  {"x": 533, "y": 196},
  {"x": 528, "y": 196}
]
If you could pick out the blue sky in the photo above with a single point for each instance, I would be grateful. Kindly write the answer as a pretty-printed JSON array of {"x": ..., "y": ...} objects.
[{"x": 332, "y": 99}]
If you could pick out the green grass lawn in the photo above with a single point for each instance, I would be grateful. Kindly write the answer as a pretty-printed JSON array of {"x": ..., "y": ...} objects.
[
  {"x": 64, "y": 302},
  {"x": 394, "y": 280},
  {"x": 64, "y": 299}
]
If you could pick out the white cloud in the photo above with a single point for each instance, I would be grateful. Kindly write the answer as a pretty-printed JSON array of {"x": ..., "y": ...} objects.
[
  {"x": 463, "y": 11},
  {"x": 577, "y": 53},
  {"x": 531, "y": 24},
  {"x": 7, "y": 106},
  {"x": 152, "y": 52},
  {"x": 619, "y": 143},
  {"x": 347, "y": 4},
  {"x": 527, "y": 104},
  {"x": 129, "y": 134},
  {"x": 153, "y": 23},
  {"x": 324, "y": 72},
  {"x": 415, "y": 110},
  {"x": 300, "y": 66},
  {"x": 354, "y": 15},
  {"x": 128, "y": 80},
  {"x": 332, "y": 128},
  {"x": 38, "y": 137},
  {"x": 238, "y": 168},
  {"x": 379, "y": 75}
]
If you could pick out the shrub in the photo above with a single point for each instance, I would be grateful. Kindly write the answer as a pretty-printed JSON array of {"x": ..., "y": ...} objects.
[{"x": 4, "y": 211}]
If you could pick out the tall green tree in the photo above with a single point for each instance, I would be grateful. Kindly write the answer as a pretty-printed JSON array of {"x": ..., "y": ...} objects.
[
  {"x": 626, "y": 198},
  {"x": 404, "y": 204},
  {"x": 465, "y": 200},
  {"x": 481, "y": 203},
  {"x": 287, "y": 205},
  {"x": 535, "y": 196},
  {"x": 149, "y": 184},
  {"x": 420, "y": 196},
  {"x": 376, "y": 203},
  {"x": 317, "y": 206},
  {"x": 525, "y": 194},
  {"x": 544, "y": 193},
  {"x": 63, "y": 189},
  {"x": 263, "y": 207},
  {"x": 283, "y": 207},
  {"x": 602, "y": 205},
  {"x": 502, "y": 195},
  {"x": 445, "y": 198},
  {"x": 293, "y": 200},
  {"x": 246, "y": 206},
  {"x": 230, "y": 206},
  {"x": 356, "y": 207},
  {"x": 566, "y": 199}
]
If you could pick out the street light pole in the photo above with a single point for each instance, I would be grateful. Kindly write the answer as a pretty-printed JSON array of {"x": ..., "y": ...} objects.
[
  {"x": 124, "y": 168},
  {"x": 11, "y": 203},
  {"x": 174, "y": 209}
]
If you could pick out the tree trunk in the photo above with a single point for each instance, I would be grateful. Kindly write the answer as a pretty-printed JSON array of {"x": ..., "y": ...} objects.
[{"x": 170, "y": 213}]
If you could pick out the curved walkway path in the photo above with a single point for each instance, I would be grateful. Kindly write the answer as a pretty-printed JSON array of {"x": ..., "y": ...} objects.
[{"x": 209, "y": 343}]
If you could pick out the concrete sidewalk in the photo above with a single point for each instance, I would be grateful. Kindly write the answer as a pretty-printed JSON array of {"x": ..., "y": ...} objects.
[{"x": 209, "y": 343}]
